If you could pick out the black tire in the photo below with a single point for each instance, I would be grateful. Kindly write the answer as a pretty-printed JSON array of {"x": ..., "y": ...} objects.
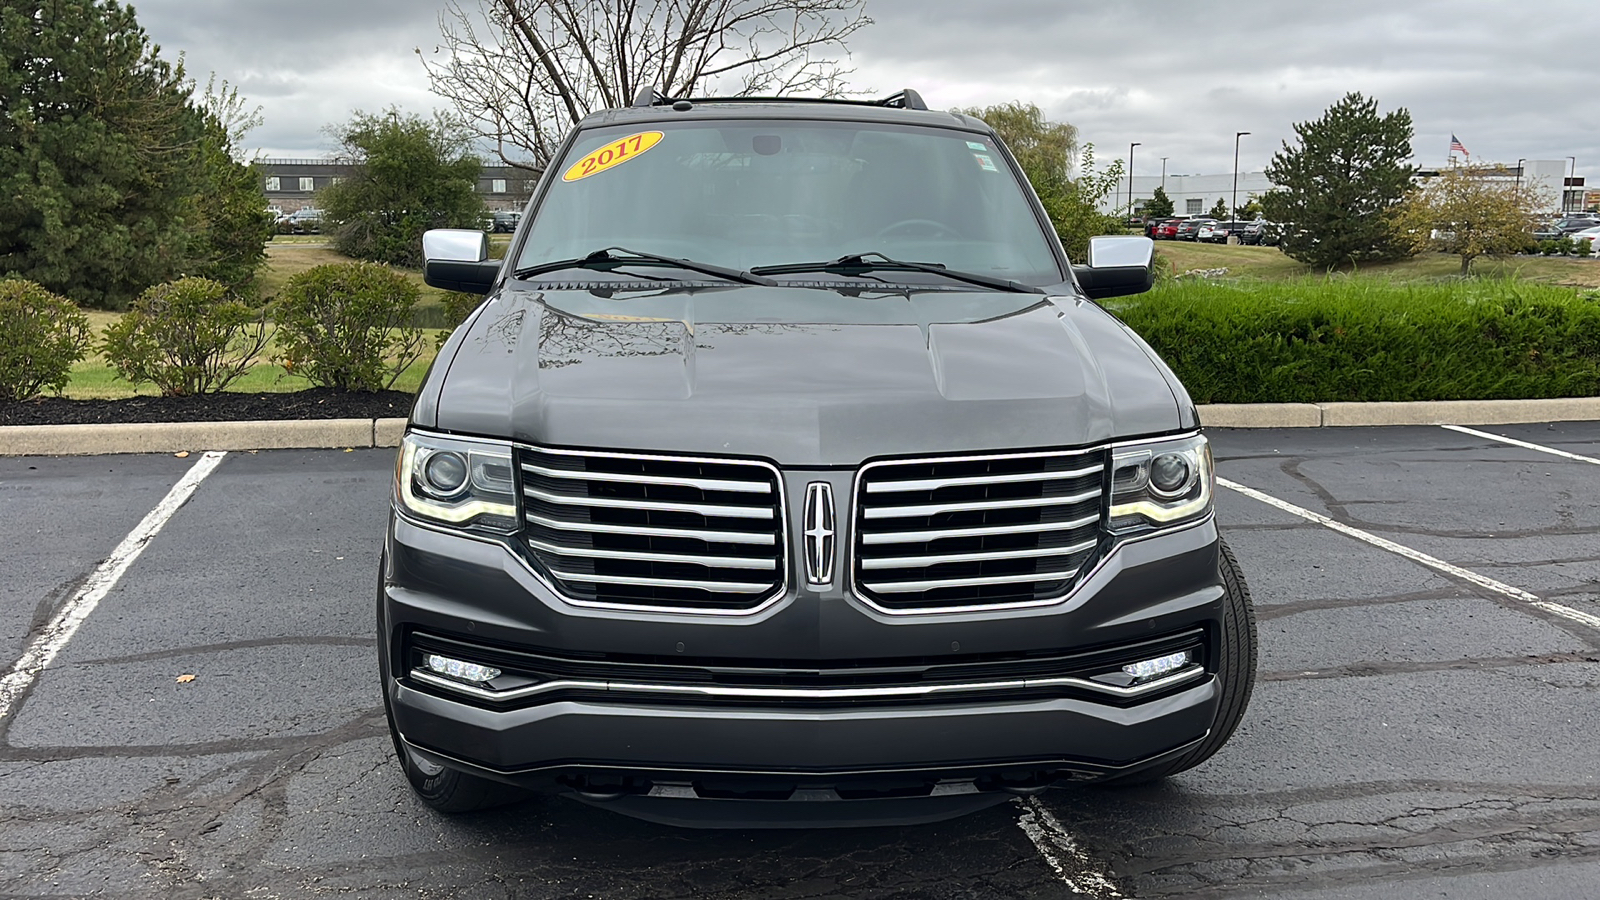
[
  {"x": 445, "y": 789},
  {"x": 1236, "y": 672}
]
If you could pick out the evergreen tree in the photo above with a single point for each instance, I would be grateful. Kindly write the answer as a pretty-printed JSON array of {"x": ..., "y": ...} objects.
[
  {"x": 1219, "y": 210},
  {"x": 96, "y": 151},
  {"x": 1159, "y": 206},
  {"x": 227, "y": 225},
  {"x": 410, "y": 175},
  {"x": 1338, "y": 186}
]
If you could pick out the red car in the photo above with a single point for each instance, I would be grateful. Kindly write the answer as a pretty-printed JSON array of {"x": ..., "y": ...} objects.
[{"x": 1165, "y": 229}]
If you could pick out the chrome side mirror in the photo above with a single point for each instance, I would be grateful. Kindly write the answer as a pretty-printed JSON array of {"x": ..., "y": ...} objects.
[
  {"x": 457, "y": 259},
  {"x": 1117, "y": 265}
]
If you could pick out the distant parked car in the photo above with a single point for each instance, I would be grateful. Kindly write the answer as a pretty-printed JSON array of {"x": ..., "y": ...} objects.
[
  {"x": 1152, "y": 226},
  {"x": 304, "y": 221},
  {"x": 1592, "y": 235},
  {"x": 1566, "y": 225},
  {"x": 1189, "y": 229},
  {"x": 1219, "y": 232},
  {"x": 1168, "y": 229},
  {"x": 506, "y": 220}
]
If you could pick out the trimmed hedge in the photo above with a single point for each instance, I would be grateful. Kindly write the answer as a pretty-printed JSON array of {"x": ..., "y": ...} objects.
[{"x": 1361, "y": 339}]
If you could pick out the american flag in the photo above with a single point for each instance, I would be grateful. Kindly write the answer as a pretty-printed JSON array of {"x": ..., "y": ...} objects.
[{"x": 1457, "y": 147}]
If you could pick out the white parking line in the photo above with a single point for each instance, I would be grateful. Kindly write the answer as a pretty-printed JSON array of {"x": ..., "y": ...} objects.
[
  {"x": 1071, "y": 863},
  {"x": 44, "y": 647},
  {"x": 1523, "y": 444},
  {"x": 1431, "y": 562}
]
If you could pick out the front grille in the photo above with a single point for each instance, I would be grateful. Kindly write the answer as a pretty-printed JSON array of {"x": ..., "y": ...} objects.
[
  {"x": 675, "y": 532},
  {"x": 976, "y": 531}
]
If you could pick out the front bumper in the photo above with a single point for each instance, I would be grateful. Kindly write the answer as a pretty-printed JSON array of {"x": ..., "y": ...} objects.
[{"x": 623, "y": 744}]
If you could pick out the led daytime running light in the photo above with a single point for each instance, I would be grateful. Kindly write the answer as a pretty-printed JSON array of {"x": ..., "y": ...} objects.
[
  {"x": 461, "y": 671},
  {"x": 1149, "y": 669}
]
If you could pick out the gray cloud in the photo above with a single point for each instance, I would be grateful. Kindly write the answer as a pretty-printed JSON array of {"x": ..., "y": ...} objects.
[{"x": 1510, "y": 81}]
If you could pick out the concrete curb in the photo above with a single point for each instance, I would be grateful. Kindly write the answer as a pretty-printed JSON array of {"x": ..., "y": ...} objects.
[
  {"x": 1429, "y": 412},
  {"x": 174, "y": 437}
]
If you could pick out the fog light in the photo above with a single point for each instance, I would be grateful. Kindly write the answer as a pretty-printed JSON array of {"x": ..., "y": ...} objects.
[
  {"x": 1149, "y": 669},
  {"x": 463, "y": 671}
]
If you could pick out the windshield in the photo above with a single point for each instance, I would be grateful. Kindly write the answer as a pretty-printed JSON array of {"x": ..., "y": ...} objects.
[{"x": 744, "y": 194}]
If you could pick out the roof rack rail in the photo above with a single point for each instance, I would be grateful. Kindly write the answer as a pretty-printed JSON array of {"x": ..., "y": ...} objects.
[
  {"x": 904, "y": 99},
  {"x": 649, "y": 96}
]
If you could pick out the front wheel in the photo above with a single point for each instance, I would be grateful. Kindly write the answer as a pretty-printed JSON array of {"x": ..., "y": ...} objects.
[
  {"x": 1236, "y": 675},
  {"x": 445, "y": 789}
]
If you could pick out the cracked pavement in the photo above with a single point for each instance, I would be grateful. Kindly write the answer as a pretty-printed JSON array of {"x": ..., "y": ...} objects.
[{"x": 1411, "y": 735}]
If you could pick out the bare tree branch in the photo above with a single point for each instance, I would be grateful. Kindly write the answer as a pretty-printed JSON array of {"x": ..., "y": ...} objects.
[{"x": 521, "y": 73}]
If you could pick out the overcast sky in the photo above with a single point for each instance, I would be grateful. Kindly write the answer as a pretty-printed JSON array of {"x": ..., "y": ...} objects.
[{"x": 1510, "y": 80}]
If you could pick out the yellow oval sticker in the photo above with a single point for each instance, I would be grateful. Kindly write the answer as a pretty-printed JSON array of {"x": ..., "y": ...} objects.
[{"x": 613, "y": 154}]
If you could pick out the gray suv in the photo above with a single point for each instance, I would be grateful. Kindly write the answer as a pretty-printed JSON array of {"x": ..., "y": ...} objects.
[{"x": 789, "y": 474}]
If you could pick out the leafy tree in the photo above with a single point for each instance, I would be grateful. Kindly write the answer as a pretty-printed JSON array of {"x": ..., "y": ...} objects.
[
  {"x": 1159, "y": 206},
  {"x": 1220, "y": 210},
  {"x": 410, "y": 174},
  {"x": 1045, "y": 152},
  {"x": 521, "y": 73},
  {"x": 1470, "y": 212},
  {"x": 96, "y": 141},
  {"x": 1339, "y": 184},
  {"x": 1251, "y": 209}
]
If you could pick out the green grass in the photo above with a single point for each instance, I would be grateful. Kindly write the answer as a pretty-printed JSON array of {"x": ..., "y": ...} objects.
[
  {"x": 1365, "y": 338},
  {"x": 1269, "y": 263}
]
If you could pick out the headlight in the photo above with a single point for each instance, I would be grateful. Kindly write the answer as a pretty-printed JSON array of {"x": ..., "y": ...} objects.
[
  {"x": 458, "y": 482},
  {"x": 1160, "y": 483}
]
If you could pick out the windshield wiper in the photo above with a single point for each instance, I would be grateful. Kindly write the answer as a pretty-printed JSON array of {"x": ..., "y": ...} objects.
[
  {"x": 867, "y": 262},
  {"x": 604, "y": 260}
]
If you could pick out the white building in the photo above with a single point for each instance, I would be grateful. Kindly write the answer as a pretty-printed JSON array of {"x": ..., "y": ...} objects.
[{"x": 1192, "y": 195}]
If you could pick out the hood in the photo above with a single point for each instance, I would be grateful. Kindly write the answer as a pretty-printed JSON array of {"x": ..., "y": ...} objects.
[{"x": 800, "y": 376}]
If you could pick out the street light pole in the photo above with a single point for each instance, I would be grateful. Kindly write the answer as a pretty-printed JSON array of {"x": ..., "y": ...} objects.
[
  {"x": 1572, "y": 178},
  {"x": 1236, "y": 136},
  {"x": 1130, "y": 178},
  {"x": 1163, "y": 173},
  {"x": 1519, "y": 172}
]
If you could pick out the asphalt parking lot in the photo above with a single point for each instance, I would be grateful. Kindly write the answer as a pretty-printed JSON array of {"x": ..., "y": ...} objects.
[{"x": 1425, "y": 725}]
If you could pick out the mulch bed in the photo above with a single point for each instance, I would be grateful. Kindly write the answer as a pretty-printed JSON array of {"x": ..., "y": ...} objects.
[{"x": 316, "y": 403}]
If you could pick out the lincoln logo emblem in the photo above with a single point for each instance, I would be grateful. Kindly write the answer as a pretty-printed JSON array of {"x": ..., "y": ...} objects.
[{"x": 819, "y": 534}]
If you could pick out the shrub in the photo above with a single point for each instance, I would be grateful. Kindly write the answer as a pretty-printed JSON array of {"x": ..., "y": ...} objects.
[
  {"x": 185, "y": 337},
  {"x": 1564, "y": 245},
  {"x": 456, "y": 306},
  {"x": 44, "y": 334},
  {"x": 1584, "y": 247},
  {"x": 348, "y": 326},
  {"x": 1362, "y": 339}
]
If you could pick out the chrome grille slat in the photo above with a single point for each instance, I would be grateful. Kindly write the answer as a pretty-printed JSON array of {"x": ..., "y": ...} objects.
[
  {"x": 976, "y": 532},
  {"x": 901, "y": 587},
  {"x": 914, "y": 562},
  {"x": 731, "y": 537},
  {"x": 898, "y": 512},
  {"x": 731, "y": 562},
  {"x": 933, "y": 484},
  {"x": 901, "y": 537},
  {"x": 699, "y": 509},
  {"x": 626, "y": 530},
  {"x": 706, "y": 484},
  {"x": 727, "y": 586}
]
